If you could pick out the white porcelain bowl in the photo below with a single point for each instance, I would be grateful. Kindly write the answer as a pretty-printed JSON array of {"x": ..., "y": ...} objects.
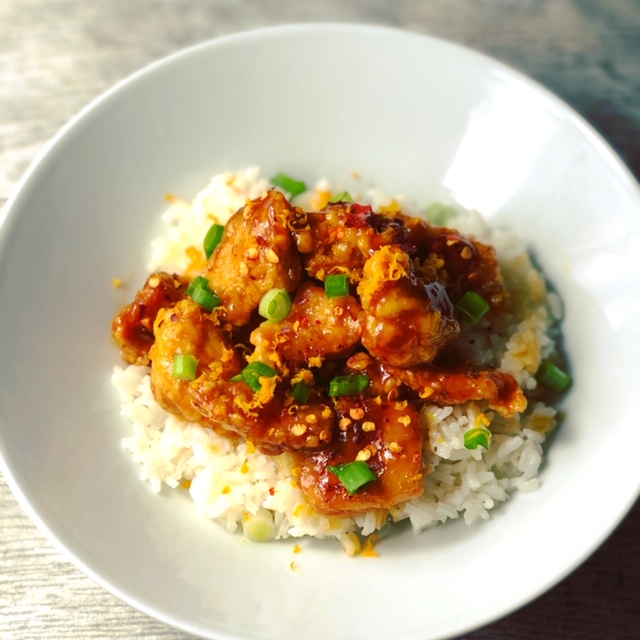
[{"x": 414, "y": 115}]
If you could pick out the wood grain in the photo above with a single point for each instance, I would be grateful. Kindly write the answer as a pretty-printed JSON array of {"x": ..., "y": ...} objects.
[{"x": 58, "y": 55}]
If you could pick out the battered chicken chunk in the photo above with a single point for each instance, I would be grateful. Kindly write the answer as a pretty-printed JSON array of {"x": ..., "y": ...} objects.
[
  {"x": 456, "y": 385},
  {"x": 317, "y": 327},
  {"x": 187, "y": 329},
  {"x": 388, "y": 438},
  {"x": 342, "y": 236},
  {"x": 132, "y": 328},
  {"x": 460, "y": 262},
  {"x": 256, "y": 254},
  {"x": 408, "y": 322},
  {"x": 269, "y": 419}
]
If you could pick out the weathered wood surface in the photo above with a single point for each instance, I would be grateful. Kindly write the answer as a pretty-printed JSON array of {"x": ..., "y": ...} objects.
[{"x": 57, "y": 55}]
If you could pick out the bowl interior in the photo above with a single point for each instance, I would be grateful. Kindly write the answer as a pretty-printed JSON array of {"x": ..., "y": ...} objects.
[{"x": 413, "y": 115}]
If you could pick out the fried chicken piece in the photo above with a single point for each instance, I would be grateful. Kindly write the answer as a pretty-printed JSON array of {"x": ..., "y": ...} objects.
[
  {"x": 458, "y": 385},
  {"x": 268, "y": 418},
  {"x": 187, "y": 329},
  {"x": 407, "y": 322},
  {"x": 342, "y": 236},
  {"x": 256, "y": 254},
  {"x": 388, "y": 437},
  {"x": 316, "y": 327},
  {"x": 132, "y": 328},
  {"x": 460, "y": 262}
]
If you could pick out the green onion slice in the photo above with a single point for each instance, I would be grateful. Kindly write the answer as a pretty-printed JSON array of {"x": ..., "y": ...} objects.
[
  {"x": 287, "y": 183},
  {"x": 197, "y": 283},
  {"x": 336, "y": 286},
  {"x": 473, "y": 306},
  {"x": 206, "y": 298},
  {"x": 212, "y": 239},
  {"x": 259, "y": 527},
  {"x": 353, "y": 475},
  {"x": 439, "y": 214},
  {"x": 252, "y": 373},
  {"x": 478, "y": 437},
  {"x": 275, "y": 305},
  {"x": 349, "y": 385},
  {"x": 301, "y": 392},
  {"x": 553, "y": 377},
  {"x": 343, "y": 196},
  {"x": 184, "y": 366}
]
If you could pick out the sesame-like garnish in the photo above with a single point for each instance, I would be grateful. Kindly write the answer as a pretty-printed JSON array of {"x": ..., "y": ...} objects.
[
  {"x": 272, "y": 256},
  {"x": 359, "y": 362},
  {"x": 363, "y": 454},
  {"x": 153, "y": 282},
  {"x": 299, "y": 429},
  {"x": 315, "y": 361},
  {"x": 395, "y": 447},
  {"x": 251, "y": 253},
  {"x": 466, "y": 253},
  {"x": 242, "y": 267}
]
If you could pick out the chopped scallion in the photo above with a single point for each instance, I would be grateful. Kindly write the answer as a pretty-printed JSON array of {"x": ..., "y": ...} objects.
[
  {"x": 439, "y": 214},
  {"x": 353, "y": 475},
  {"x": 337, "y": 285},
  {"x": 206, "y": 298},
  {"x": 259, "y": 526},
  {"x": 197, "y": 283},
  {"x": 349, "y": 385},
  {"x": 343, "y": 196},
  {"x": 184, "y": 366},
  {"x": 252, "y": 373},
  {"x": 212, "y": 239},
  {"x": 301, "y": 392},
  {"x": 275, "y": 305},
  {"x": 553, "y": 377},
  {"x": 289, "y": 184},
  {"x": 478, "y": 437},
  {"x": 473, "y": 306}
]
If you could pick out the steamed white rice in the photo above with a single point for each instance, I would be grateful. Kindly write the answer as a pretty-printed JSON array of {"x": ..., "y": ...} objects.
[{"x": 230, "y": 482}]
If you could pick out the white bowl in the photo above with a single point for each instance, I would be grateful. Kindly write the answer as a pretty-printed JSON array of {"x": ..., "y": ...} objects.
[{"x": 414, "y": 115}]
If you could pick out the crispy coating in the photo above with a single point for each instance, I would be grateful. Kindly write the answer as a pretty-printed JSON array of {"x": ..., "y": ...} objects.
[
  {"x": 211, "y": 400},
  {"x": 461, "y": 384},
  {"x": 460, "y": 262},
  {"x": 317, "y": 327},
  {"x": 408, "y": 322},
  {"x": 340, "y": 238},
  {"x": 389, "y": 438},
  {"x": 187, "y": 329},
  {"x": 256, "y": 254},
  {"x": 132, "y": 328}
]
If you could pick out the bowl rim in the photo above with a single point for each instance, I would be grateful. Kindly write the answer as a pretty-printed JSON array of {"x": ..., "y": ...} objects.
[{"x": 8, "y": 216}]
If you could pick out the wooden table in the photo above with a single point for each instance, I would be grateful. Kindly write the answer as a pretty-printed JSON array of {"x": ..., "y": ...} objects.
[{"x": 57, "y": 55}]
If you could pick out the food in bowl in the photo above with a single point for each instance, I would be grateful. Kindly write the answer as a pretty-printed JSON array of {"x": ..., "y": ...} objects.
[{"x": 320, "y": 362}]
